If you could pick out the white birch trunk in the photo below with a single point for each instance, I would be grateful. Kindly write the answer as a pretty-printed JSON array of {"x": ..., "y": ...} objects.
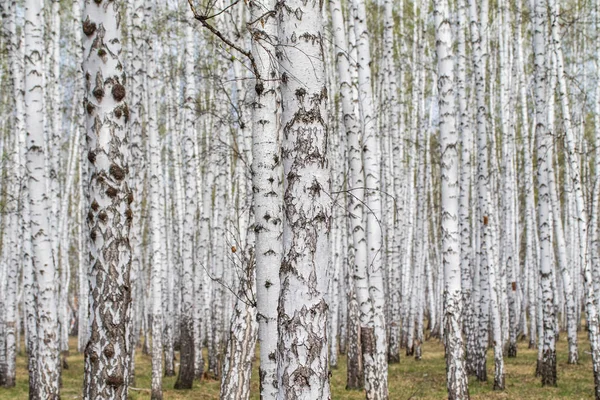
[
  {"x": 108, "y": 352},
  {"x": 157, "y": 225},
  {"x": 14, "y": 263},
  {"x": 302, "y": 371},
  {"x": 42, "y": 255},
  {"x": 188, "y": 346},
  {"x": 267, "y": 173},
  {"x": 374, "y": 336},
  {"x": 456, "y": 374},
  {"x": 136, "y": 166},
  {"x": 547, "y": 366}
]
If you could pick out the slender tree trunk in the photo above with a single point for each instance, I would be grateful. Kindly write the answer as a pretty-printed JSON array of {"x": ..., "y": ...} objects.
[
  {"x": 237, "y": 363},
  {"x": 188, "y": 348},
  {"x": 374, "y": 335},
  {"x": 42, "y": 255},
  {"x": 136, "y": 167},
  {"x": 464, "y": 125},
  {"x": 267, "y": 186},
  {"x": 543, "y": 140},
  {"x": 157, "y": 226},
  {"x": 14, "y": 263},
  {"x": 355, "y": 202},
  {"x": 457, "y": 379}
]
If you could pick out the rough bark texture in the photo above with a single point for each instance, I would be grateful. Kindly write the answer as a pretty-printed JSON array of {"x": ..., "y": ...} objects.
[
  {"x": 157, "y": 222},
  {"x": 185, "y": 379},
  {"x": 302, "y": 312},
  {"x": 237, "y": 363},
  {"x": 42, "y": 253},
  {"x": 15, "y": 48},
  {"x": 267, "y": 191},
  {"x": 547, "y": 367},
  {"x": 136, "y": 166},
  {"x": 375, "y": 361},
  {"x": 108, "y": 351},
  {"x": 457, "y": 379}
]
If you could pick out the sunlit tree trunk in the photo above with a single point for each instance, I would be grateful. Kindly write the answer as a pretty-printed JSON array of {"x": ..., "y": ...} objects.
[
  {"x": 465, "y": 131},
  {"x": 136, "y": 166},
  {"x": 157, "y": 225},
  {"x": 391, "y": 99},
  {"x": 303, "y": 371},
  {"x": 11, "y": 246},
  {"x": 543, "y": 142},
  {"x": 42, "y": 255},
  {"x": 374, "y": 335},
  {"x": 457, "y": 379},
  {"x": 575, "y": 175},
  {"x": 185, "y": 378},
  {"x": 267, "y": 186},
  {"x": 108, "y": 352}
]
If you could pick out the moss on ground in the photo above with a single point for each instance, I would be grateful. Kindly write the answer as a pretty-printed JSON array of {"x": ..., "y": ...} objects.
[{"x": 410, "y": 379}]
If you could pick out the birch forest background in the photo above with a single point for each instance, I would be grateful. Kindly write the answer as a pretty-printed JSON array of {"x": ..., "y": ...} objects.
[{"x": 299, "y": 199}]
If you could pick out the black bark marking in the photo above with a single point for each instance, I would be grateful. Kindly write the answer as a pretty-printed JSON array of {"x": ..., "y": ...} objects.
[
  {"x": 118, "y": 91},
  {"x": 89, "y": 27},
  {"x": 117, "y": 172},
  {"x": 111, "y": 192}
]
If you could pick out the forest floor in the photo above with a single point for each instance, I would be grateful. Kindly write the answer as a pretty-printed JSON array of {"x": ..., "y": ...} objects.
[{"x": 411, "y": 379}]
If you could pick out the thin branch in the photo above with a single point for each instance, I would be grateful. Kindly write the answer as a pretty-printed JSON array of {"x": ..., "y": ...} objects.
[{"x": 203, "y": 20}]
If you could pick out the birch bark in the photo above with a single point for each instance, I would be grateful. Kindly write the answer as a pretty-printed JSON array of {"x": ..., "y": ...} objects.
[
  {"x": 14, "y": 264},
  {"x": 267, "y": 177},
  {"x": 373, "y": 336},
  {"x": 42, "y": 255},
  {"x": 543, "y": 142},
  {"x": 185, "y": 378},
  {"x": 157, "y": 226},
  {"x": 108, "y": 352},
  {"x": 302, "y": 366},
  {"x": 457, "y": 379}
]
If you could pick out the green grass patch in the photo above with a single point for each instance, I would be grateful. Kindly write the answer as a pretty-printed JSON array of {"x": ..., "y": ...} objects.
[{"x": 411, "y": 379}]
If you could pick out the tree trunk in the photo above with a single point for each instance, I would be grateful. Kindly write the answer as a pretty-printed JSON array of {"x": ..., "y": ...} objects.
[
  {"x": 42, "y": 255},
  {"x": 374, "y": 334},
  {"x": 544, "y": 141},
  {"x": 188, "y": 347},
  {"x": 108, "y": 352},
  {"x": 267, "y": 193},
  {"x": 457, "y": 379},
  {"x": 303, "y": 371}
]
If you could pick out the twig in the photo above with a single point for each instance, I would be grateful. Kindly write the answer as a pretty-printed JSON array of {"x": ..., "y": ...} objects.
[
  {"x": 139, "y": 389},
  {"x": 203, "y": 20}
]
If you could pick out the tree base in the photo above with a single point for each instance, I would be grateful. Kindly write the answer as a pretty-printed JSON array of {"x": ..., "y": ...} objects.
[
  {"x": 548, "y": 368},
  {"x": 511, "y": 351},
  {"x": 499, "y": 383}
]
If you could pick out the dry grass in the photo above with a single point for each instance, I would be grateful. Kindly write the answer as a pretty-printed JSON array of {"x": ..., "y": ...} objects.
[{"x": 410, "y": 379}]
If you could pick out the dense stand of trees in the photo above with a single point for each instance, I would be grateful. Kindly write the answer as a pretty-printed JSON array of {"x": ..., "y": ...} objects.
[{"x": 313, "y": 178}]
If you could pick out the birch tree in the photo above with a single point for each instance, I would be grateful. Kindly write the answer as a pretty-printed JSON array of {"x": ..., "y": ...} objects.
[
  {"x": 267, "y": 175},
  {"x": 157, "y": 227},
  {"x": 373, "y": 335},
  {"x": 302, "y": 365},
  {"x": 108, "y": 352},
  {"x": 14, "y": 262},
  {"x": 458, "y": 382},
  {"x": 543, "y": 141},
  {"x": 185, "y": 378},
  {"x": 42, "y": 253}
]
